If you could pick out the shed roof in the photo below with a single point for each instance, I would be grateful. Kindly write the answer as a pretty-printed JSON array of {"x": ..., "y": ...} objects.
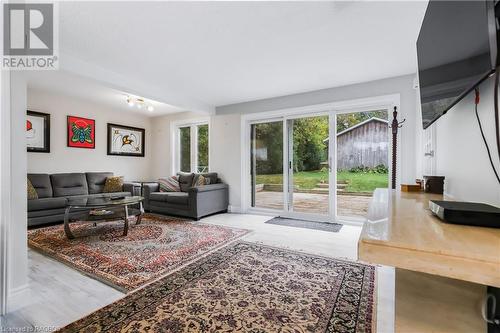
[{"x": 359, "y": 125}]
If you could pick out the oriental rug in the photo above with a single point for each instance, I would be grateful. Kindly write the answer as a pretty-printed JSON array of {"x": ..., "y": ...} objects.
[
  {"x": 151, "y": 249},
  {"x": 247, "y": 287}
]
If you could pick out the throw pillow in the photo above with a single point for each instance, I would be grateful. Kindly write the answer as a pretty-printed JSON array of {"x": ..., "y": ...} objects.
[
  {"x": 113, "y": 184},
  {"x": 31, "y": 191},
  {"x": 207, "y": 176},
  {"x": 200, "y": 181},
  {"x": 212, "y": 176},
  {"x": 185, "y": 180},
  {"x": 170, "y": 184}
]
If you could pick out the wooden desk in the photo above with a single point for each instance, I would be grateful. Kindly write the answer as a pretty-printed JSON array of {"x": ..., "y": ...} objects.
[{"x": 402, "y": 232}]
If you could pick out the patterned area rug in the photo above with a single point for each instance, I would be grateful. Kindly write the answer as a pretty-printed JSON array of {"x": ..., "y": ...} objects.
[
  {"x": 152, "y": 249},
  {"x": 247, "y": 287}
]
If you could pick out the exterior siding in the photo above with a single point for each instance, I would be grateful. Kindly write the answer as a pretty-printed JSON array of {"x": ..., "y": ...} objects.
[{"x": 367, "y": 145}]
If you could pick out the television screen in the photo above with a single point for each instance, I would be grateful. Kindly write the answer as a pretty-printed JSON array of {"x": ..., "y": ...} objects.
[{"x": 456, "y": 50}]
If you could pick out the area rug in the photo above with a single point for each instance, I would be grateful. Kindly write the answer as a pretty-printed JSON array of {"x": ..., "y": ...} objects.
[
  {"x": 247, "y": 287},
  {"x": 152, "y": 249},
  {"x": 296, "y": 223}
]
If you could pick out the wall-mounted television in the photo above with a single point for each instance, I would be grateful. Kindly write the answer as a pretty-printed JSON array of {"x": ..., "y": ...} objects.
[{"x": 456, "y": 50}]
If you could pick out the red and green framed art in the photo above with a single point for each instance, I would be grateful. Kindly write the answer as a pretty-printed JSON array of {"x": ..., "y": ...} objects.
[{"x": 81, "y": 132}]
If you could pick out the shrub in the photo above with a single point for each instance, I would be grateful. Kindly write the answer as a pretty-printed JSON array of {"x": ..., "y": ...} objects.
[
  {"x": 362, "y": 169},
  {"x": 381, "y": 169}
]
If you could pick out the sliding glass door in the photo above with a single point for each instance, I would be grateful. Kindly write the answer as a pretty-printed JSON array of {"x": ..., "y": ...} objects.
[
  {"x": 266, "y": 149},
  {"x": 362, "y": 160},
  {"x": 308, "y": 165},
  {"x": 289, "y": 166},
  {"x": 324, "y": 166}
]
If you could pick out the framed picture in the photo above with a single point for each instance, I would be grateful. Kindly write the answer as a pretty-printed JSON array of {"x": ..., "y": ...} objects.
[
  {"x": 37, "y": 132},
  {"x": 81, "y": 132},
  {"x": 125, "y": 140}
]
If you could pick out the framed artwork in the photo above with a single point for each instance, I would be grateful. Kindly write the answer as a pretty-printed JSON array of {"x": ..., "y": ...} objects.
[
  {"x": 37, "y": 132},
  {"x": 81, "y": 132},
  {"x": 125, "y": 140}
]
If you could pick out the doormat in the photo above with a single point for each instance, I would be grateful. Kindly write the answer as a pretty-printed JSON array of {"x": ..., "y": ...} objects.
[{"x": 323, "y": 226}]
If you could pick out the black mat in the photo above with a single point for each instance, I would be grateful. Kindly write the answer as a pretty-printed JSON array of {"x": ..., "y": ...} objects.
[{"x": 323, "y": 226}]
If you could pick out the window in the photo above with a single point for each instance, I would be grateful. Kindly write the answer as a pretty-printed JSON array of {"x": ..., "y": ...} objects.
[
  {"x": 185, "y": 149},
  {"x": 192, "y": 147},
  {"x": 202, "y": 160}
]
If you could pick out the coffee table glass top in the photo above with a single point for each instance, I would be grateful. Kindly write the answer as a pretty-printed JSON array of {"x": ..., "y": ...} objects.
[{"x": 103, "y": 202}]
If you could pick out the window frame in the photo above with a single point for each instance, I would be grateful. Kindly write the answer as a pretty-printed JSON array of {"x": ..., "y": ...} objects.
[
  {"x": 176, "y": 143},
  {"x": 333, "y": 108}
]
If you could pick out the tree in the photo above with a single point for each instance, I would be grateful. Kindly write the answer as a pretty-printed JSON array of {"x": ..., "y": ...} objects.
[
  {"x": 309, "y": 148},
  {"x": 347, "y": 120},
  {"x": 185, "y": 138},
  {"x": 269, "y": 138},
  {"x": 202, "y": 147}
]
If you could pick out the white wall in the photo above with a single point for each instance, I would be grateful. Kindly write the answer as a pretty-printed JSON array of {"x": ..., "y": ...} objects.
[
  {"x": 419, "y": 139},
  {"x": 225, "y": 154},
  {"x": 161, "y": 164},
  {"x": 460, "y": 153},
  {"x": 65, "y": 159},
  {"x": 4, "y": 185},
  {"x": 225, "y": 136},
  {"x": 224, "y": 149},
  {"x": 402, "y": 85},
  {"x": 14, "y": 205},
  {"x": 225, "y": 128}
]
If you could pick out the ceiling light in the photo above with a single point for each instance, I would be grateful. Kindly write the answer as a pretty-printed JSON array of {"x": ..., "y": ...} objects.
[{"x": 139, "y": 103}]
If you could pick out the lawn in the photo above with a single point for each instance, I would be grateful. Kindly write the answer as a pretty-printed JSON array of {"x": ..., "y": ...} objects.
[{"x": 357, "y": 181}]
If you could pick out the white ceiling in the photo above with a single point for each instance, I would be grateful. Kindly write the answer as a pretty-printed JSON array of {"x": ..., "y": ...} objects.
[
  {"x": 197, "y": 55},
  {"x": 78, "y": 86}
]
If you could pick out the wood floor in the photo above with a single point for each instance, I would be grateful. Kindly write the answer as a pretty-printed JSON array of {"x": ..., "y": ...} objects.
[{"x": 60, "y": 295}]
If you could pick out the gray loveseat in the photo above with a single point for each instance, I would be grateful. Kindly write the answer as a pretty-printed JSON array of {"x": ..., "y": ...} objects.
[
  {"x": 54, "y": 190},
  {"x": 193, "y": 202}
]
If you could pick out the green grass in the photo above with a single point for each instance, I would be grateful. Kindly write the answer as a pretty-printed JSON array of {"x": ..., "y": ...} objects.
[
  {"x": 363, "y": 182},
  {"x": 357, "y": 181}
]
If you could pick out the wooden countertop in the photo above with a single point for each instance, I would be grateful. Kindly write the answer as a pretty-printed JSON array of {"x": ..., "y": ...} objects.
[{"x": 402, "y": 232}]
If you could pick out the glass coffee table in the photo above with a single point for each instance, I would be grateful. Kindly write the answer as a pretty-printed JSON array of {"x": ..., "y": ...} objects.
[{"x": 102, "y": 209}]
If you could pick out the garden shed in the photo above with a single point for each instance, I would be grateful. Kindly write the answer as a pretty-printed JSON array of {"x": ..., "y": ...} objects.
[{"x": 364, "y": 144}]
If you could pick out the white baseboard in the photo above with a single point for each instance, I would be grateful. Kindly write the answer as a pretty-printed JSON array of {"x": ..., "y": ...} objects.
[
  {"x": 18, "y": 298},
  {"x": 234, "y": 209}
]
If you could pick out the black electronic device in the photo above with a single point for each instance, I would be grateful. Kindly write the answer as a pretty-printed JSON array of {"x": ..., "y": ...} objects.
[
  {"x": 466, "y": 213},
  {"x": 456, "y": 49}
]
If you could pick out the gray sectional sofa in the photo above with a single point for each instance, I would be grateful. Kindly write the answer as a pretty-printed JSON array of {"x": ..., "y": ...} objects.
[
  {"x": 55, "y": 190},
  {"x": 193, "y": 202}
]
